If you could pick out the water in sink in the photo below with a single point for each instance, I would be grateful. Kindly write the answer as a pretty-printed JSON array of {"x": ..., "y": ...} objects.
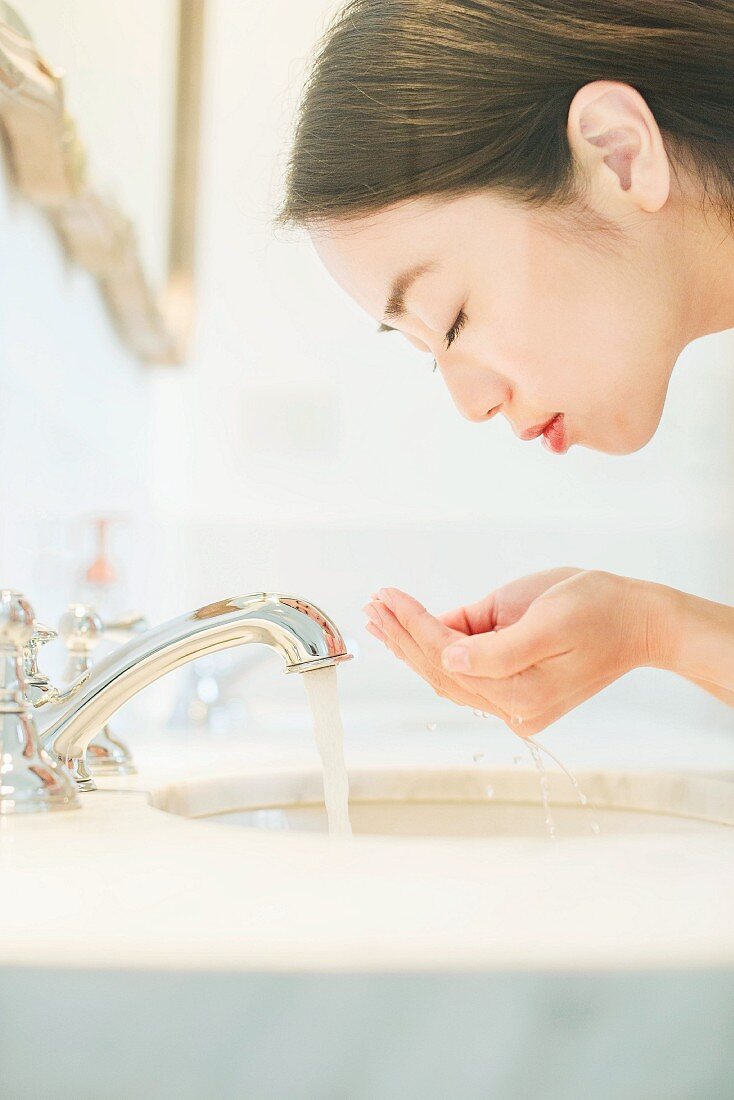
[
  {"x": 439, "y": 801},
  {"x": 323, "y": 699},
  {"x": 439, "y": 818}
]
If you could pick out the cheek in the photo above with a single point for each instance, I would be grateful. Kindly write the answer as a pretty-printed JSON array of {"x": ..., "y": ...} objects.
[
  {"x": 536, "y": 336},
  {"x": 580, "y": 344}
]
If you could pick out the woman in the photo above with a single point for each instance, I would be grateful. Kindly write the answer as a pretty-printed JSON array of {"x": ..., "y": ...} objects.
[{"x": 539, "y": 194}]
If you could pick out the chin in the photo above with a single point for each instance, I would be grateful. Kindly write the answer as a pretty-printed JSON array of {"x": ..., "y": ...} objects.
[
  {"x": 625, "y": 442},
  {"x": 620, "y": 447}
]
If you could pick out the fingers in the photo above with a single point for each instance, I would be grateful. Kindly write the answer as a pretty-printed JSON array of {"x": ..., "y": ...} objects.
[
  {"x": 441, "y": 683},
  {"x": 455, "y": 620},
  {"x": 400, "y": 642},
  {"x": 374, "y": 627},
  {"x": 504, "y": 605},
  {"x": 428, "y": 632},
  {"x": 502, "y": 654},
  {"x": 474, "y": 618},
  {"x": 375, "y": 631}
]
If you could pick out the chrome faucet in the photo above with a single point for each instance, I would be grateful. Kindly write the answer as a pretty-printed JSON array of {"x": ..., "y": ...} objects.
[
  {"x": 30, "y": 779},
  {"x": 303, "y": 635}
]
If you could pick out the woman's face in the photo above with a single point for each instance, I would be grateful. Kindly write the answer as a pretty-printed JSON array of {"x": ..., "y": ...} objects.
[{"x": 570, "y": 336}]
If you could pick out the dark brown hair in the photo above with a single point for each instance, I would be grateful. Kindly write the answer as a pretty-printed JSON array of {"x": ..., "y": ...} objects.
[{"x": 409, "y": 98}]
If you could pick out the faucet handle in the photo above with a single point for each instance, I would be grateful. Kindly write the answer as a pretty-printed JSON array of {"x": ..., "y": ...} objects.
[
  {"x": 32, "y": 778},
  {"x": 81, "y": 630},
  {"x": 17, "y": 621},
  {"x": 38, "y": 687},
  {"x": 40, "y": 637},
  {"x": 36, "y": 683}
]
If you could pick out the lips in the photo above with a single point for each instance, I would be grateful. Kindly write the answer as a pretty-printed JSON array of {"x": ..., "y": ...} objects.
[{"x": 554, "y": 434}]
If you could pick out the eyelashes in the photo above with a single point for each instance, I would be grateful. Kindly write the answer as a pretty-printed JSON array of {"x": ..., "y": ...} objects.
[
  {"x": 451, "y": 335},
  {"x": 456, "y": 328}
]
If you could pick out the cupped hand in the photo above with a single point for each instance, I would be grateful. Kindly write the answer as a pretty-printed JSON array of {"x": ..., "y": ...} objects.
[{"x": 530, "y": 651}]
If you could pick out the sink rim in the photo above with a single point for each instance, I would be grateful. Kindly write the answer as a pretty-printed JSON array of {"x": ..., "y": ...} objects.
[{"x": 696, "y": 797}]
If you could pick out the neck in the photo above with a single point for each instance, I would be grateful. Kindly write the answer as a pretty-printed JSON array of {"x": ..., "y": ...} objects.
[{"x": 705, "y": 258}]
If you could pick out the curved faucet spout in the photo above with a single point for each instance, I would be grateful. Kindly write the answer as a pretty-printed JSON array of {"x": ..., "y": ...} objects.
[{"x": 303, "y": 635}]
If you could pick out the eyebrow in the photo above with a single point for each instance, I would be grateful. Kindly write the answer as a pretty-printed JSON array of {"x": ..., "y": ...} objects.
[{"x": 395, "y": 305}]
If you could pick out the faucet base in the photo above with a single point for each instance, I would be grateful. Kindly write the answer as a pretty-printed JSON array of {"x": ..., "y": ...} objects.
[
  {"x": 80, "y": 773},
  {"x": 31, "y": 780},
  {"x": 107, "y": 755}
]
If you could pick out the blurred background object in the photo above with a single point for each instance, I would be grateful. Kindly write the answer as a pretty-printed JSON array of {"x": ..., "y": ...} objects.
[{"x": 134, "y": 96}]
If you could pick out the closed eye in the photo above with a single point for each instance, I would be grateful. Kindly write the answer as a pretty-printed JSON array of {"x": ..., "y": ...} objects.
[{"x": 456, "y": 328}]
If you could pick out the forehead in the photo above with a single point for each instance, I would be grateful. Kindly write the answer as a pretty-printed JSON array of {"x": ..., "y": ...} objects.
[{"x": 364, "y": 255}]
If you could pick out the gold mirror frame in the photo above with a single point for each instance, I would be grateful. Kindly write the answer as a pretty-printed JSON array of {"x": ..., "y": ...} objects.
[{"x": 47, "y": 165}]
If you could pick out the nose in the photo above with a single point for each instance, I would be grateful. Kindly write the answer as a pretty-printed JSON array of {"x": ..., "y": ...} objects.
[{"x": 477, "y": 394}]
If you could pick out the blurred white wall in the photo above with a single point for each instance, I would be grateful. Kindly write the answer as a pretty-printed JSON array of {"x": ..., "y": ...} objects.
[
  {"x": 75, "y": 418},
  {"x": 75, "y": 406},
  {"x": 301, "y": 452}
]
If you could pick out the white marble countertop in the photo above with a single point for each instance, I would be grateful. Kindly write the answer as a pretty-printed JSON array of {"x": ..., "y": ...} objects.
[{"x": 121, "y": 884}]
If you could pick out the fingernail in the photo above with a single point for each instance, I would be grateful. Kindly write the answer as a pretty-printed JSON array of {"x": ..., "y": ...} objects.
[
  {"x": 384, "y": 595},
  {"x": 456, "y": 658}
]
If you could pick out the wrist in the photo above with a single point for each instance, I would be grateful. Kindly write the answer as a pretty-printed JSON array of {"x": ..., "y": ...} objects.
[
  {"x": 662, "y": 624},
  {"x": 696, "y": 637}
]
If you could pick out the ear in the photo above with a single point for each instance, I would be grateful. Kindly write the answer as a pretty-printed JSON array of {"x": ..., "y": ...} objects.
[{"x": 616, "y": 142}]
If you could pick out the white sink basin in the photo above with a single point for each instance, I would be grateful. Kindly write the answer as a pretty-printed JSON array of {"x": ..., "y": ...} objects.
[{"x": 467, "y": 802}]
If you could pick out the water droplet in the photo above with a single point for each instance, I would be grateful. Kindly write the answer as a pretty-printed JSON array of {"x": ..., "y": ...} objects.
[
  {"x": 477, "y": 757},
  {"x": 489, "y": 791},
  {"x": 431, "y": 726},
  {"x": 478, "y": 713},
  {"x": 595, "y": 828},
  {"x": 550, "y": 825},
  {"x": 517, "y": 760},
  {"x": 583, "y": 800}
]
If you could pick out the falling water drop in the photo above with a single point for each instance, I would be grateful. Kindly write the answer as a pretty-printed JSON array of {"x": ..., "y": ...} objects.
[
  {"x": 583, "y": 800},
  {"x": 550, "y": 825}
]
